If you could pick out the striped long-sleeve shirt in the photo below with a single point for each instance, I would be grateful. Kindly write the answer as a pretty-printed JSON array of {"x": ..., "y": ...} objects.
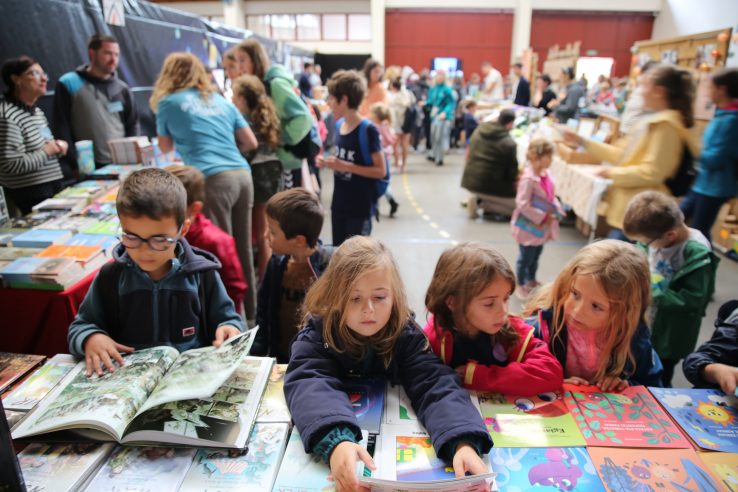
[{"x": 23, "y": 132}]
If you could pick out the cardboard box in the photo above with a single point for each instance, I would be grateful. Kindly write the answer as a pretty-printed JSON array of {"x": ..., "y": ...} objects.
[{"x": 576, "y": 156}]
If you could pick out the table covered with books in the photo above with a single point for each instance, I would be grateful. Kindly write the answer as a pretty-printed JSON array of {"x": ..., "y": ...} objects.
[{"x": 576, "y": 439}]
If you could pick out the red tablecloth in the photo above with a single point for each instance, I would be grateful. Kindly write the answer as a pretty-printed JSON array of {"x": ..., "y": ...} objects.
[{"x": 37, "y": 321}]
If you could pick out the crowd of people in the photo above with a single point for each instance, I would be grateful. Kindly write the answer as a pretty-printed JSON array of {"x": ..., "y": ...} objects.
[{"x": 625, "y": 310}]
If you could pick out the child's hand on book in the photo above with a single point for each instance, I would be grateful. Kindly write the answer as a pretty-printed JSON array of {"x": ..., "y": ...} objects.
[
  {"x": 466, "y": 460},
  {"x": 223, "y": 333},
  {"x": 343, "y": 465},
  {"x": 612, "y": 383},
  {"x": 101, "y": 350},
  {"x": 723, "y": 375},
  {"x": 577, "y": 381}
]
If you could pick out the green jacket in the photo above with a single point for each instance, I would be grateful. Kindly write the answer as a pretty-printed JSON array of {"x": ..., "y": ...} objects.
[
  {"x": 294, "y": 115},
  {"x": 442, "y": 97},
  {"x": 492, "y": 165},
  {"x": 681, "y": 307}
]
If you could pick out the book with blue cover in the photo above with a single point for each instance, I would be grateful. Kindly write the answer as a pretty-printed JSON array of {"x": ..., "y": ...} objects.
[
  {"x": 708, "y": 416},
  {"x": 367, "y": 400},
  {"x": 41, "y": 238}
]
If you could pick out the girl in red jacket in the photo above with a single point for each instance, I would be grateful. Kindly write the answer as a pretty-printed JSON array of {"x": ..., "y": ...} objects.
[{"x": 470, "y": 328}]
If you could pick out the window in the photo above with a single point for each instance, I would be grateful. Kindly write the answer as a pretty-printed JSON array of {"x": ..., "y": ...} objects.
[
  {"x": 284, "y": 27},
  {"x": 259, "y": 24},
  {"x": 359, "y": 27},
  {"x": 334, "y": 27},
  {"x": 308, "y": 27}
]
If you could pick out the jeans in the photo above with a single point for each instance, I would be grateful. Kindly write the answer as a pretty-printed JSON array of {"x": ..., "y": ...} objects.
[
  {"x": 700, "y": 211},
  {"x": 527, "y": 264},
  {"x": 439, "y": 138},
  {"x": 345, "y": 227}
]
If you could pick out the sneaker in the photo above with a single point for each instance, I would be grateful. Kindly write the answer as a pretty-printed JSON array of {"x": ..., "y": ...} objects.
[
  {"x": 376, "y": 214},
  {"x": 439, "y": 163},
  {"x": 522, "y": 292},
  {"x": 430, "y": 158},
  {"x": 393, "y": 208},
  {"x": 533, "y": 285}
]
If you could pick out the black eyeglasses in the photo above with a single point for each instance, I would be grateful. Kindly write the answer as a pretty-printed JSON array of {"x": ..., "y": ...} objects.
[{"x": 157, "y": 243}]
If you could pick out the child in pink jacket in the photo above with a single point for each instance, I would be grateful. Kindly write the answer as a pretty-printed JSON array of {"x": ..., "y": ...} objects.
[{"x": 537, "y": 214}]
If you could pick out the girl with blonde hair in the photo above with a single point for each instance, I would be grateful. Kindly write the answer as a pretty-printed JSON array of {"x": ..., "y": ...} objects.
[
  {"x": 210, "y": 134},
  {"x": 251, "y": 99},
  {"x": 471, "y": 330},
  {"x": 358, "y": 322},
  {"x": 592, "y": 317}
]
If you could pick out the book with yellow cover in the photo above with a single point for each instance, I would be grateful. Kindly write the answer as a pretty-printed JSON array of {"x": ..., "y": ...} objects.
[{"x": 82, "y": 254}]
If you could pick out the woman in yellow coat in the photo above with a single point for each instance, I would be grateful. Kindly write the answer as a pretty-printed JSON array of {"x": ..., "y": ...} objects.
[{"x": 652, "y": 152}]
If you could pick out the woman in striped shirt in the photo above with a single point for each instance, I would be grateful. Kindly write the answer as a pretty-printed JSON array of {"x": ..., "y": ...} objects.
[{"x": 29, "y": 168}]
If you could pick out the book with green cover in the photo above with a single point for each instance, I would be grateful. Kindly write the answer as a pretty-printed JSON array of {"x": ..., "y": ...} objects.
[{"x": 540, "y": 421}]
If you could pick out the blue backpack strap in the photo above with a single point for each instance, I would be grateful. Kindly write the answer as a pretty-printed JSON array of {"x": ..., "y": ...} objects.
[{"x": 364, "y": 141}]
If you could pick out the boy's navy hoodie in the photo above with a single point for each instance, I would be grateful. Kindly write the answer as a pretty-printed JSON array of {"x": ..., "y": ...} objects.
[{"x": 149, "y": 313}]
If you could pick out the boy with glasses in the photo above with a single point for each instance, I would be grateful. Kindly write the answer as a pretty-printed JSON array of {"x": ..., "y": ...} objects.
[
  {"x": 683, "y": 270},
  {"x": 159, "y": 290}
]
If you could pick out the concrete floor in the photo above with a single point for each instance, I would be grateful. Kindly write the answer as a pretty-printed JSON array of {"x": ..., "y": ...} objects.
[{"x": 418, "y": 234}]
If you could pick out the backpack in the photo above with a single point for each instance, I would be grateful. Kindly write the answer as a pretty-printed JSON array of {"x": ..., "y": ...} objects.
[
  {"x": 310, "y": 145},
  {"x": 681, "y": 182},
  {"x": 380, "y": 185}
]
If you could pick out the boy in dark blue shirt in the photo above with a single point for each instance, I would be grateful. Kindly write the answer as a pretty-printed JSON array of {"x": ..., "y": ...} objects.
[{"x": 354, "y": 178}]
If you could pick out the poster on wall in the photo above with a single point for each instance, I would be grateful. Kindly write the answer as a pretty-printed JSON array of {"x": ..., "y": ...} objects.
[
  {"x": 114, "y": 12},
  {"x": 670, "y": 57},
  {"x": 704, "y": 109},
  {"x": 703, "y": 54},
  {"x": 732, "y": 59}
]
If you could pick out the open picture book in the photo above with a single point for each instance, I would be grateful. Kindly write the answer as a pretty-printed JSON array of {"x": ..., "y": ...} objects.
[{"x": 201, "y": 397}]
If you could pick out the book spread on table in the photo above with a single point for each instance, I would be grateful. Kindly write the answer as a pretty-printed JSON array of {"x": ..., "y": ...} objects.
[
  {"x": 304, "y": 472},
  {"x": 406, "y": 460},
  {"x": 708, "y": 416},
  {"x": 31, "y": 391},
  {"x": 724, "y": 468},
  {"x": 367, "y": 399},
  {"x": 399, "y": 410},
  {"x": 61, "y": 467},
  {"x": 273, "y": 406},
  {"x": 539, "y": 421},
  {"x": 253, "y": 469},
  {"x": 630, "y": 418},
  {"x": 529, "y": 469},
  {"x": 132, "y": 468},
  {"x": 205, "y": 397},
  {"x": 633, "y": 470},
  {"x": 14, "y": 366}
]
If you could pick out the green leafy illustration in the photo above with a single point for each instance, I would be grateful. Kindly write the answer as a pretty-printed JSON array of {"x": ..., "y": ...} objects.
[
  {"x": 649, "y": 434},
  {"x": 652, "y": 441},
  {"x": 595, "y": 425},
  {"x": 616, "y": 440},
  {"x": 587, "y": 433},
  {"x": 600, "y": 436}
]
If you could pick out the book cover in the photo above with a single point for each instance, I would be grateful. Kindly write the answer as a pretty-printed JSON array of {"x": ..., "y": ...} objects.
[
  {"x": 73, "y": 223},
  {"x": 32, "y": 390},
  {"x": 398, "y": 408},
  {"x": 406, "y": 460},
  {"x": 41, "y": 238},
  {"x": 14, "y": 366},
  {"x": 724, "y": 467},
  {"x": 61, "y": 467},
  {"x": 631, "y": 418},
  {"x": 367, "y": 400},
  {"x": 273, "y": 407},
  {"x": 143, "y": 469},
  {"x": 10, "y": 253},
  {"x": 110, "y": 227},
  {"x": 105, "y": 241},
  {"x": 651, "y": 470},
  {"x": 114, "y": 171},
  {"x": 205, "y": 397},
  {"x": 540, "y": 421},
  {"x": 708, "y": 416},
  {"x": 252, "y": 469},
  {"x": 83, "y": 255},
  {"x": 303, "y": 472},
  {"x": 66, "y": 204},
  {"x": 536, "y": 469}
]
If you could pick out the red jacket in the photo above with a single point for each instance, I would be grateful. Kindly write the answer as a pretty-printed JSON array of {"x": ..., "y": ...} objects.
[
  {"x": 206, "y": 235},
  {"x": 531, "y": 368}
]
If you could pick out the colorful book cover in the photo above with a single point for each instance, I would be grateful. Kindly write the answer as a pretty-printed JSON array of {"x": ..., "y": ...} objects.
[
  {"x": 251, "y": 469},
  {"x": 407, "y": 455},
  {"x": 708, "y": 416},
  {"x": 303, "y": 472},
  {"x": 367, "y": 399},
  {"x": 540, "y": 421},
  {"x": 33, "y": 389},
  {"x": 14, "y": 366},
  {"x": 145, "y": 469},
  {"x": 82, "y": 254},
  {"x": 40, "y": 238},
  {"x": 61, "y": 467},
  {"x": 724, "y": 467},
  {"x": 111, "y": 227},
  {"x": 631, "y": 418},
  {"x": 273, "y": 407},
  {"x": 10, "y": 253},
  {"x": 652, "y": 470},
  {"x": 398, "y": 409},
  {"x": 541, "y": 469}
]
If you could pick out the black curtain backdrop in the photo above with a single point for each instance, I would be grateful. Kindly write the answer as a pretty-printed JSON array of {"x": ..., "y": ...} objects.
[
  {"x": 55, "y": 32},
  {"x": 332, "y": 63}
]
